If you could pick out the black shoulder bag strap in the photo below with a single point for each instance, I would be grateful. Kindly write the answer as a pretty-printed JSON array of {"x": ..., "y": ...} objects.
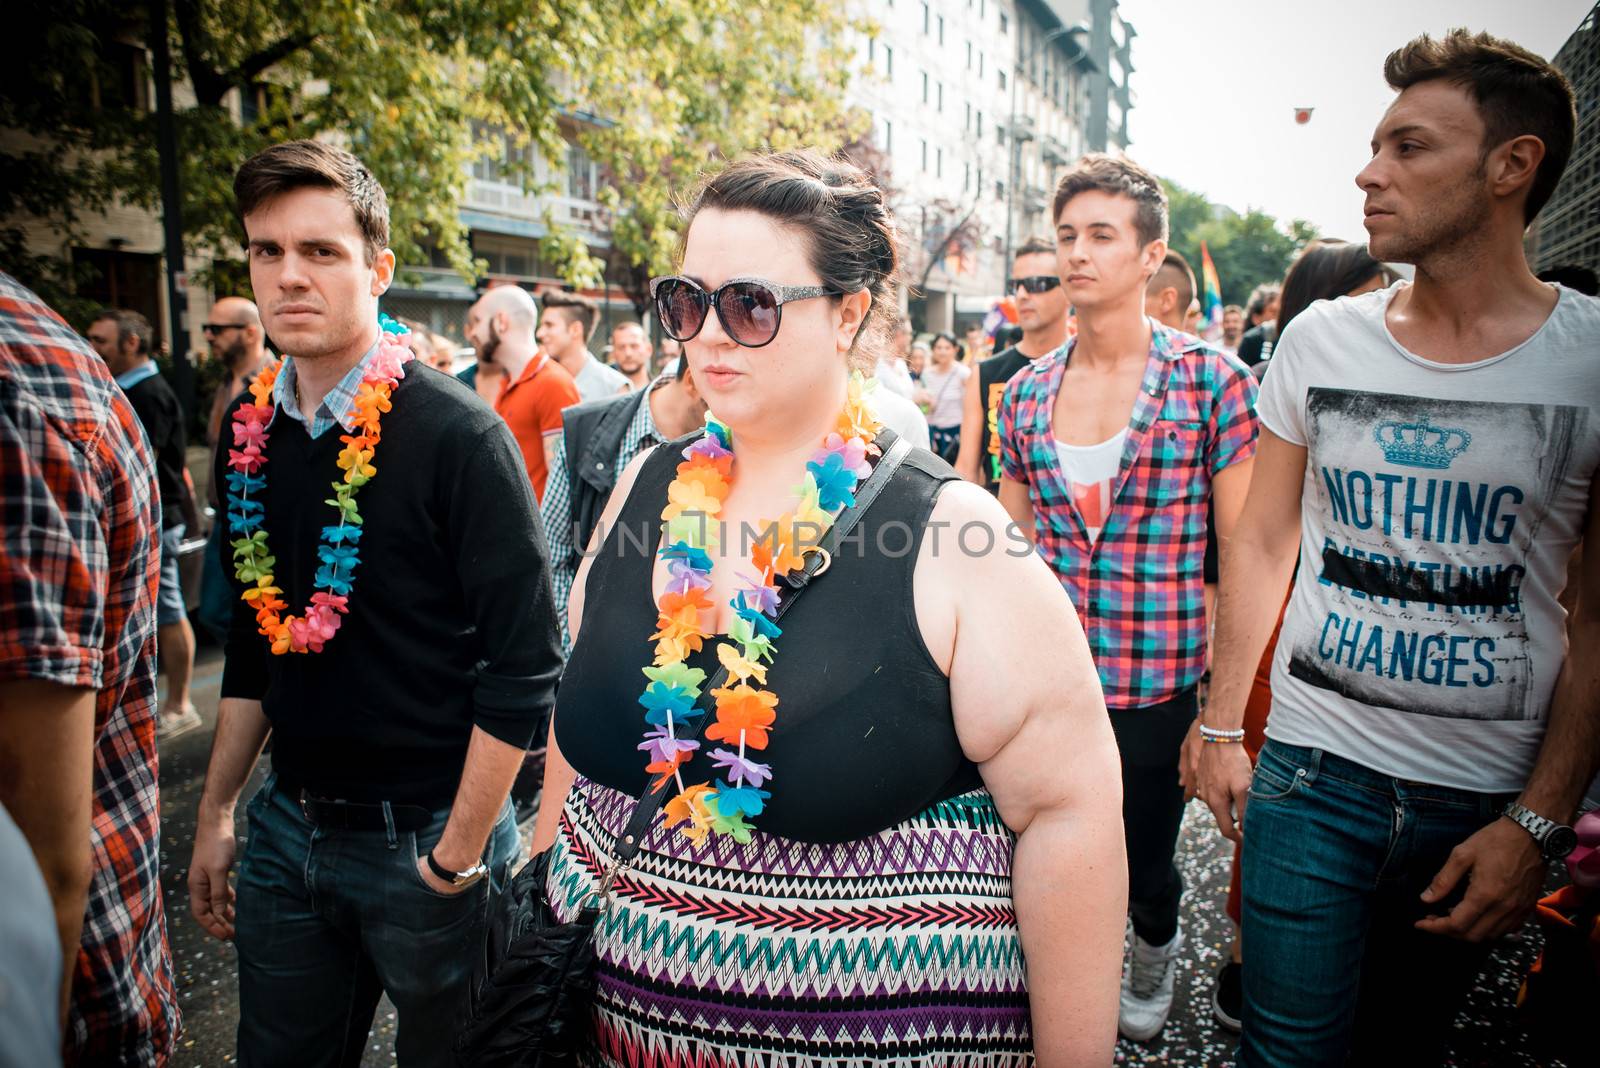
[{"x": 817, "y": 561}]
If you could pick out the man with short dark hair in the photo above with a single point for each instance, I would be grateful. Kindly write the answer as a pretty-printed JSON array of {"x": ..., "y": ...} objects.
[
  {"x": 630, "y": 353},
  {"x": 79, "y": 555},
  {"x": 401, "y": 697},
  {"x": 1042, "y": 316},
  {"x": 122, "y": 338},
  {"x": 1261, "y": 331},
  {"x": 565, "y": 326},
  {"x": 1430, "y": 453},
  {"x": 1111, "y": 448}
]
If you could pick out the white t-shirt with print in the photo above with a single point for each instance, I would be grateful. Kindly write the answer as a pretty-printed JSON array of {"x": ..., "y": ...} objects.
[
  {"x": 1091, "y": 474},
  {"x": 1440, "y": 507}
]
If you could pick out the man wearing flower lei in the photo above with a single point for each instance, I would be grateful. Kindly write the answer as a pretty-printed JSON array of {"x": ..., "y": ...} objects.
[
  {"x": 898, "y": 789},
  {"x": 394, "y": 635}
]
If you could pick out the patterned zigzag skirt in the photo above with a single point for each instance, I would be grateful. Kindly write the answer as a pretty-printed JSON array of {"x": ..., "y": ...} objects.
[{"x": 895, "y": 950}]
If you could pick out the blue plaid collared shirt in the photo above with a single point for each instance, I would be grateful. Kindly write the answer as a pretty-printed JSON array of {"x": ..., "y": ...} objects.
[
  {"x": 555, "y": 511},
  {"x": 338, "y": 408}
]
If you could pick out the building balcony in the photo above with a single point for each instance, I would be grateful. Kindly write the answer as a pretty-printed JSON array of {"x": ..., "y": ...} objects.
[
  {"x": 505, "y": 208},
  {"x": 1054, "y": 152}
]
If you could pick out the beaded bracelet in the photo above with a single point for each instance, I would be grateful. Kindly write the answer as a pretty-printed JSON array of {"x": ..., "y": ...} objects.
[{"x": 1217, "y": 736}]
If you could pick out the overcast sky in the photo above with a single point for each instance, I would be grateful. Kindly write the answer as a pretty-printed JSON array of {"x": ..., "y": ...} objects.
[{"x": 1217, "y": 83}]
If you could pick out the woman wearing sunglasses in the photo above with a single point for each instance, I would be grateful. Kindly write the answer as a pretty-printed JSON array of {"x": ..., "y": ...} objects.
[{"x": 899, "y": 792}]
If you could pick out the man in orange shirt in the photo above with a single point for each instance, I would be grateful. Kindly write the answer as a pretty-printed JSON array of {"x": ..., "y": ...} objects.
[{"x": 500, "y": 325}]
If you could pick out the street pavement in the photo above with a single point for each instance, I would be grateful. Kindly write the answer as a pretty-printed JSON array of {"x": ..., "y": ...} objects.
[{"x": 1490, "y": 1033}]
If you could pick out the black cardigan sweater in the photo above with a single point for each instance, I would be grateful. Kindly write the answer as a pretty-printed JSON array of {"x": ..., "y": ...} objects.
[{"x": 450, "y": 623}]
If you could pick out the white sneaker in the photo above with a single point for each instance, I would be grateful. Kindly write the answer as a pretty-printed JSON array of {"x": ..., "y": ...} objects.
[{"x": 1147, "y": 988}]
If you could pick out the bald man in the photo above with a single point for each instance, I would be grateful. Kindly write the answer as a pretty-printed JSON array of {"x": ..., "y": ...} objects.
[
  {"x": 237, "y": 341},
  {"x": 535, "y": 388}
]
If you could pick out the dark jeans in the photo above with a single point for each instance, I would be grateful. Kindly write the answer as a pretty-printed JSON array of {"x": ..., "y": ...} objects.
[
  {"x": 1149, "y": 740},
  {"x": 1335, "y": 858},
  {"x": 329, "y": 920}
]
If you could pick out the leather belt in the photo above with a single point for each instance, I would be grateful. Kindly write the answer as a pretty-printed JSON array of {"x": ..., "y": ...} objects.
[{"x": 332, "y": 813}]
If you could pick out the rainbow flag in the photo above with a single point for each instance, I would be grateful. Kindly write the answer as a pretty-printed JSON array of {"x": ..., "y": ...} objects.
[{"x": 1211, "y": 297}]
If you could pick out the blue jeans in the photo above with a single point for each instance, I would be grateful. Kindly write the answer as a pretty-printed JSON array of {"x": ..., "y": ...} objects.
[
  {"x": 327, "y": 921},
  {"x": 1335, "y": 858}
]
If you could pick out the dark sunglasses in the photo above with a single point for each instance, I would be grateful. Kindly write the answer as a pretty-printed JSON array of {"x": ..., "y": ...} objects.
[
  {"x": 1034, "y": 283},
  {"x": 217, "y": 328},
  {"x": 749, "y": 309}
]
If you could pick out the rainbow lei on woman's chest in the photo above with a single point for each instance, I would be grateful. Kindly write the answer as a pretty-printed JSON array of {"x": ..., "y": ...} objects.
[
  {"x": 338, "y": 550},
  {"x": 745, "y": 710}
]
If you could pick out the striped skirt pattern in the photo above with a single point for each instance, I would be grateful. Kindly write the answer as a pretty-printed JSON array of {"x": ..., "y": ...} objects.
[{"x": 896, "y": 950}]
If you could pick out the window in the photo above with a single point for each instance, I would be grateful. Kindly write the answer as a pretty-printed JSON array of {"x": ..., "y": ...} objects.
[
  {"x": 872, "y": 51},
  {"x": 941, "y": 97},
  {"x": 967, "y": 125},
  {"x": 980, "y": 64},
  {"x": 980, "y": 124},
  {"x": 924, "y": 153},
  {"x": 1002, "y": 81},
  {"x": 941, "y": 30},
  {"x": 924, "y": 87},
  {"x": 966, "y": 177},
  {"x": 926, "y": 17},
  {"x": 888, "y": 136},
  {"x": 969, "y": 55},
  {"x": 580, "y": 174},
  {"x": 888, "y": 61},
  {"x": 938, "y": 163},
  {"x": 1004, "y": 22},
  {"x": 999, "y": 134},
  {"x": 999, "y": 190}
]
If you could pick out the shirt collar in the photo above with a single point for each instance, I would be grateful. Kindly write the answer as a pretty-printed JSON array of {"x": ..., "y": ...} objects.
[
  {"x": 1165, "y": 344},
  {"x": 644, "y": 424},
  {"x": 338, "y": 406},
  {"x": 130, "y": 378}
]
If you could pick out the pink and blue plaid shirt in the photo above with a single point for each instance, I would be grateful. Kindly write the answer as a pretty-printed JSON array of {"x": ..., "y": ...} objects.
[{"x": 1140, "y": 586}]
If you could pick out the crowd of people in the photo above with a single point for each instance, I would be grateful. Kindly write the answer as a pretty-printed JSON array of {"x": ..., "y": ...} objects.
[{"x": 1322, "y": 572}]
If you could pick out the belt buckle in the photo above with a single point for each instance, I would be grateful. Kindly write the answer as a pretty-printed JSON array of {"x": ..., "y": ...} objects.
[{"x": 305, "y": 807}]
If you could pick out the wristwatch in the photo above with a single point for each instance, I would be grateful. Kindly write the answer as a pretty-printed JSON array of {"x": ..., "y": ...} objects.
[
  {"x": 1555, "y": 840},
  {"x": 462, "y": 879}
]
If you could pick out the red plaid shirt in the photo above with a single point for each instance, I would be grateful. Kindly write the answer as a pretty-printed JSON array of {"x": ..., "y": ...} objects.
[
  {"x": 1140, "y": 586},
  {"x": 79, "y": 557}
]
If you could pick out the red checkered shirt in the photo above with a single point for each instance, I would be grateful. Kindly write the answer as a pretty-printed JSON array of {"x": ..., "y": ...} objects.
[
  {"x": 1140, "y": 586},
  {"x": 79, "y": 558}
]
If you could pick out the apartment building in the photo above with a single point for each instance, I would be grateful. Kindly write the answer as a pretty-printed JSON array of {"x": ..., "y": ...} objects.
[
  {"x": 976, "y": 106},
  {"x": 1568, "y": 229}
]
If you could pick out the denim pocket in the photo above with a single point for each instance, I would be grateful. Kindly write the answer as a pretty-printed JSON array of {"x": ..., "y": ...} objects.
[
  {"x": 1275, "y": 779},
  {"x": 414, "y": 856}
]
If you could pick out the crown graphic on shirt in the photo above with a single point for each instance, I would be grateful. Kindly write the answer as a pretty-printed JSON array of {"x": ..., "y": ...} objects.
[{"x": 1421, "y": 444}]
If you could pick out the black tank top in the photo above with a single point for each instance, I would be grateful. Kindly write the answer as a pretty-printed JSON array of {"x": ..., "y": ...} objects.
[{"x": 864, "y": 737}]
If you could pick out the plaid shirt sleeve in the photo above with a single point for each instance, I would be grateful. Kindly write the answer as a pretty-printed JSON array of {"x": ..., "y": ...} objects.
[
  {"x": 1233, "y": 416},
  {"x": 53, "y": 552},
  {"x": 555, "y": 511}
]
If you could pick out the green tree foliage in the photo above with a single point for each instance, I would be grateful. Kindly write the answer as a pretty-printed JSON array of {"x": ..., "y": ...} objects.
[
  {"x": 1247, "y": 249},
  {"x": 656, "y": 90}
]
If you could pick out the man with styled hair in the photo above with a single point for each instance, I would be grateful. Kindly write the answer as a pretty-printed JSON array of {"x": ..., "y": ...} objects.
[
  {"x": 567, "y": 323},
  {"x": 1042, "y": 315},
  {"x": 401, "y": 699},
  {"x": 1111, "y": 448},
  {"x": 1170, "y": 291},
  {"x": 1430, "y": 453}
]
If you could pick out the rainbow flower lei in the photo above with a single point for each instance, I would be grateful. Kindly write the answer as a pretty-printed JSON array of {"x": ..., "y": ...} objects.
[
  {"x": 745, "y": 710},
  {"x": 339, "y": 547}
]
